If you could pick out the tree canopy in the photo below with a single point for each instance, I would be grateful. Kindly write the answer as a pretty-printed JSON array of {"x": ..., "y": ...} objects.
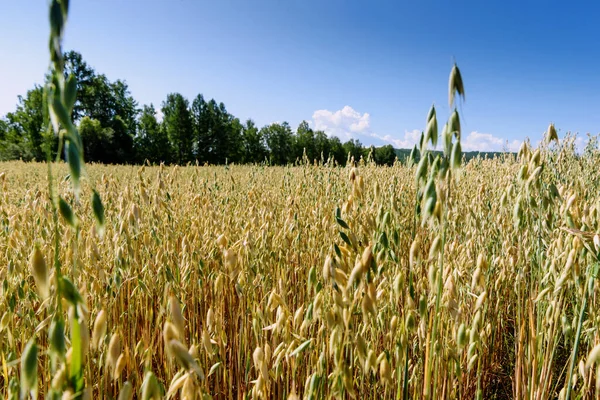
[{"x": 116, "y": 130}]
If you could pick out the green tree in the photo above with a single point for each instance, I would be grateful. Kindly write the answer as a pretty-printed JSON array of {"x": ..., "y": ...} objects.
[
  {"x": 218, "y": 134},
  {"x": 322, "y": 146},
  {"x": 200, "y": 128},
  {"x": 337, "y": 150},
  {"x": 253, "y": 143},
  {"x": 305, "y": 142},
  {"x": 3, "y": 129},
  {"x": 279, "y": 140},
  {"x": 13, "y": 144},
  {"x": 122, "y": 142},
  {"x": 178, "y": 125},
  {"x": 85, "y": 75},
  {"x": 235, "y": 145},
  {"x": 29, "y": 116},
  {"x": 97, "y": 96},
  {"x": 23, "y": 130},
  {"x": 384, "y": 155},
  {"x": 354, "y": 148},
  {"x": 151, "y": 142},
  {"x": 97, "y": 141},
  {"x": 108, "y": 102}
]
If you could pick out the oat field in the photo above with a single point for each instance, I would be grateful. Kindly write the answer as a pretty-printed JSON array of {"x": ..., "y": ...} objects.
[{"x": 310, "y": 281}]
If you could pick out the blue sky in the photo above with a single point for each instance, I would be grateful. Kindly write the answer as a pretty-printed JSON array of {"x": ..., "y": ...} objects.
[{"x": 363, "y": 69}]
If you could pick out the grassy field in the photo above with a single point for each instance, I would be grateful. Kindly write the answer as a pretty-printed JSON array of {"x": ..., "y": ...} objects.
[{"x": 313, "y": 282}]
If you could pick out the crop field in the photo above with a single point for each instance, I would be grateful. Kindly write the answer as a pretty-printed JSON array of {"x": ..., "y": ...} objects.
[{"x": 309, "y": 281}]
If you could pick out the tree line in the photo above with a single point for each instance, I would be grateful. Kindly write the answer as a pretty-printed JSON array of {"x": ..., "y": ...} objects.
[{"x": 116, "y": 130}]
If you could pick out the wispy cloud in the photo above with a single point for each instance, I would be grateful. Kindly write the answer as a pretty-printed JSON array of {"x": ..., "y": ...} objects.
[
  {"x": 477, "y": 141},
  {"x": 407, "y": 141},
  {"x": 348, "y": 123}
]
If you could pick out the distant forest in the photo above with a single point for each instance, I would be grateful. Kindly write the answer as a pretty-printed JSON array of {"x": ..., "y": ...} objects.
[{"x": 116, "y": 130}]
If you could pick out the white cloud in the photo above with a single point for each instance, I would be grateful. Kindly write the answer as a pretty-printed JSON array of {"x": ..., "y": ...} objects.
[
  {"x": 348, "y": 123},
  {"x": 477, "y": 141},
  {"x": 408, "y": 141},
  {"x": 345, "y": 123}
]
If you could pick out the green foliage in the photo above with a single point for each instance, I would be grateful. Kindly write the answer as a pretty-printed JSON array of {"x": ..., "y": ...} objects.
[
  {"x": 218, "y": 135},
  {"x": 279, "y": 138},
  {"x": 151, "y": 141},
  {"x": 354, "y": 148},
  {"x": 97, "y": 97},
  {"x": 76, "y": 366},
  {"x": 29, "y": 117},
  {"x": 122, "y": 141},
  {"x": 21, "y": 133},
  {"x": 385, "y": 155},
  {"x": 254, "y": 146},
  {"x": 13, "y": 143},
  {"x": 305, "y": 141},
  {"x": 96, "y": 139},
  {"x": 98, "y": 209},
  {"x": 178, "y": 126},
  {"x": 29, "y": 367},
  {"x": 323, "y": 146},
  {"x": 337, "y": 150}
]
